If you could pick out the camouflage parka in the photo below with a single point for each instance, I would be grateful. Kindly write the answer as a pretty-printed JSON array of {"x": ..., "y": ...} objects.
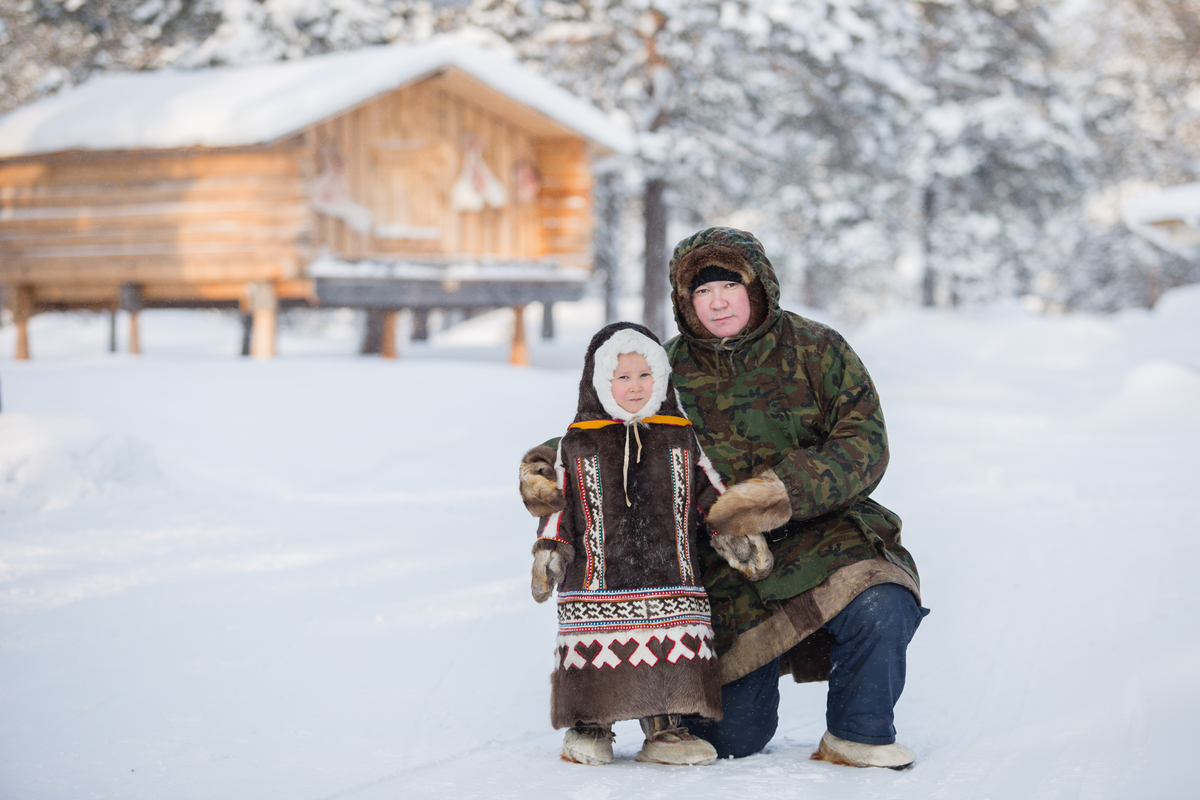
[{"x": 792, "y": 396}]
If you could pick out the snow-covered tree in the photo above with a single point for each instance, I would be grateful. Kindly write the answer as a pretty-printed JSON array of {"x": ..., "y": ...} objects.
[
  {"x": 45, "y": 45},
  {"x": 1000, "y": 170},
  {"x": 1133, "y": 68}
]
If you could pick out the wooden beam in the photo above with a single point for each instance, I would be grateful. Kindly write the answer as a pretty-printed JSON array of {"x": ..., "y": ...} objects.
[
  {"x": 154, "y": 269},
  {"x": 21, "y": 305},
  {"x": 394, "y": 294},
  {"x": 130, "y": 299},
  {"x": 264, "y": 307},
  {"x": 135, "y": 341},
  {"x": 520, "y": 350},
  {"x": 387, "y": 344},
  {"x": 372, "y": 340},
  {"x": 247, "y": 332}
]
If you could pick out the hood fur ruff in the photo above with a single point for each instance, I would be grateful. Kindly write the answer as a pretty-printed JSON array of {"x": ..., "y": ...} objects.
[
  {"x": 596, "y": 399},
  {"x": 734, "y": 250},
  {"x": 628, "y": 340}
]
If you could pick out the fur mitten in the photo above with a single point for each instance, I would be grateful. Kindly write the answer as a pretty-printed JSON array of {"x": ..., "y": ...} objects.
[
  {"x": 747, "y": 554},
  {"x": 539, "y": 484},
  {"x": 550, "y": 561},
  {"x": 755, "y": 506}
]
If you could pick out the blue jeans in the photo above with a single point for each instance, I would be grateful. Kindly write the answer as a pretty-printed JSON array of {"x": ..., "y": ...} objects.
[{"x": 870, "y": 638}]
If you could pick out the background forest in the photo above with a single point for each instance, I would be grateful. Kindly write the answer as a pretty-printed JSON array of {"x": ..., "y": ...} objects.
[{"x": 885, "y": 152}]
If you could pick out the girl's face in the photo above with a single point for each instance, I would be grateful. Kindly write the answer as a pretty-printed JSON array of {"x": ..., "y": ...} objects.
[{"x": 632, "y": 382}]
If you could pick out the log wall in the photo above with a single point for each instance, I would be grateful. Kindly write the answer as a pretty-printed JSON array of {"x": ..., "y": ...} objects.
[
  {"x": 78, "y": 225},
  {"x": 401, "y": 155},
  {"x": 565, "y": 203}
]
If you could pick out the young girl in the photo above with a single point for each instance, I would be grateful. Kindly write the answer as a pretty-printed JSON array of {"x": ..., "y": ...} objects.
[{"x": 635, "y": 637}]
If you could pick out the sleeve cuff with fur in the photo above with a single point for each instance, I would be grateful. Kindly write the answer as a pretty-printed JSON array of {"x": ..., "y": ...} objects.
[
  {"x": 539, "y": 484},
  {"x": 755, "y": 506},
  {"x": 559, "y": 545}
]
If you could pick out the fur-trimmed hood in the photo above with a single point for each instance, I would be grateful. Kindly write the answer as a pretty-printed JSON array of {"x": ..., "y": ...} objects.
[
  {"x": 596, "y": 399},
  {"x": 740, "y": 253}
]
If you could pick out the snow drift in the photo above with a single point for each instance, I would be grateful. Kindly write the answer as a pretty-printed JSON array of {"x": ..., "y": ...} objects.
[{"x": 49, "y": 463}]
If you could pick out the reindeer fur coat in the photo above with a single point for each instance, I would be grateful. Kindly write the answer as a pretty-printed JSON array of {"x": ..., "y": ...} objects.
[{"x": 635, "y": 636}]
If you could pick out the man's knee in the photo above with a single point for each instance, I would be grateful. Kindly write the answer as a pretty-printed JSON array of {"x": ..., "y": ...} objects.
[
  {"x": 748, "y": 739},
  {"x": 751, "y": 714},
  {"x": 886, "y": 609}
]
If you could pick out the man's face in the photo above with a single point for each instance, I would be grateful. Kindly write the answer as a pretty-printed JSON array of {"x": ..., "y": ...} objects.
[{"x": 723, "y": 307}]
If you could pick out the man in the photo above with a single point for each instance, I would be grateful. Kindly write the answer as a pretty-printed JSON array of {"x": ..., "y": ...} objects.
[{"x": 811, "y": 578}]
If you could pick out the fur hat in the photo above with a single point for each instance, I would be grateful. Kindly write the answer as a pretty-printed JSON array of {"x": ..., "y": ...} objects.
[{"x": 725, "y": 258}]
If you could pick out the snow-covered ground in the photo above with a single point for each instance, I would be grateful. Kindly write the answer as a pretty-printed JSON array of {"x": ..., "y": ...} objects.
[{"x": 307, "y": 578}]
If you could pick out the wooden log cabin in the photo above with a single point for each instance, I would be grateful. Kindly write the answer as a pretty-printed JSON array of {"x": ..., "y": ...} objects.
[{"x": 385, "y": 178}]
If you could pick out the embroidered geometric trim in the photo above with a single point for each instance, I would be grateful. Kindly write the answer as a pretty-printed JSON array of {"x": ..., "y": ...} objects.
[
  {"x": 587, "y": 472},
  {"x": 681, "y": 496},
  {"x": 607, "y": 595},
  {"x": 568, "y": 656},
  {"x": 617, "y": 610}
]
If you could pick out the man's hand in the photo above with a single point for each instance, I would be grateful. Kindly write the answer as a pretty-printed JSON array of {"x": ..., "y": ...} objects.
[
  {"x": 539, "y": 484},
  {"x": 549, "y": 567},
  {"x": 747, "y": 554},
  {"x": 755, "y": 506}
]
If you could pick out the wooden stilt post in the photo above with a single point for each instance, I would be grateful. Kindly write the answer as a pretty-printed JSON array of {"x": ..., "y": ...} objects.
[
  {"x": 420, "y": 324},
  {"x": 247, "y": 330},
  {"x": 387, "y": 336},
  {"x": 135, "y": 339},
  {"x": 548, "y": 320},
  {"x": 130, "y": 300},
  {"x": 264, "y": 305},
  {"x": 520, "y": 350},
  {"x": 372, "y": 341},
  {"x": 22, "y": 310}
]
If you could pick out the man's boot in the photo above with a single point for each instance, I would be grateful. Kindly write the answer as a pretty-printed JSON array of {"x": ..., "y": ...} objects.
[
  {"x": 588, "y": 743},
  {"x": 667, "y": 742},
  {"x": 856, "y": 754}
]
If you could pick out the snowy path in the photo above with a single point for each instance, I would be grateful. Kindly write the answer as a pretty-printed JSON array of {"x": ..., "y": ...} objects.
[{"x": 308, "y": 578}]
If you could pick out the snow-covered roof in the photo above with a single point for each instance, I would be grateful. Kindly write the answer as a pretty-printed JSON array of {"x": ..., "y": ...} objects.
[
  {"x": 239, "y": 106},
  {"x": 1170, "y": 218}
]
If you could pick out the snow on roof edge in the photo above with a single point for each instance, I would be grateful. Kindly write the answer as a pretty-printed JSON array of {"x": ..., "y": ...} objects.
[
  {"x": 1145, "y": 215},
  {"x": 239, "y": 106}
]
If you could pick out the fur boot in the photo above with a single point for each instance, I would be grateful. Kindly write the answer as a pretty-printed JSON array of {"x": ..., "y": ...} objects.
[
  {"x": 755, "y": 506},
  {"x": 539, "y": 484},
  {"x": 669, "y": 743},
  {"x": 855, "y": 754},
  {"x": 589, "y": 744}
]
